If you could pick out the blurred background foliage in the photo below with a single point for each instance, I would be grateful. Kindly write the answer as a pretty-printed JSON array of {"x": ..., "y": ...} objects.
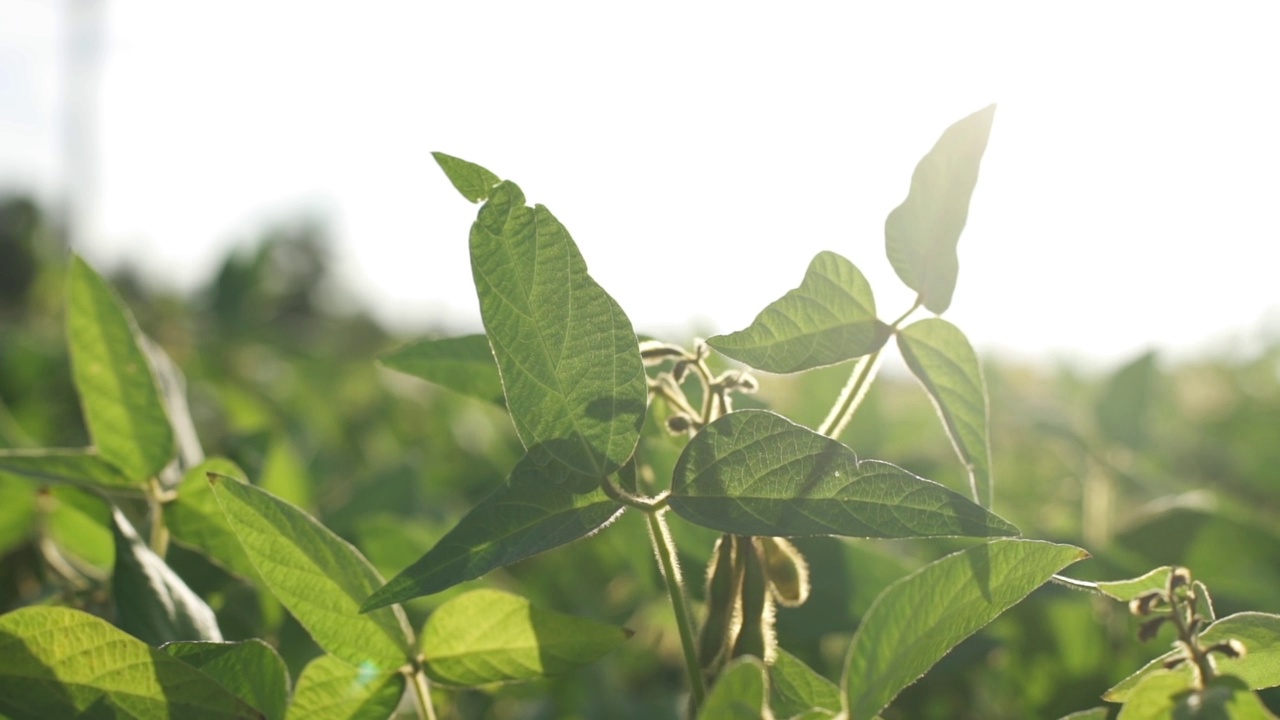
[{"x": 1147, "y": 464}]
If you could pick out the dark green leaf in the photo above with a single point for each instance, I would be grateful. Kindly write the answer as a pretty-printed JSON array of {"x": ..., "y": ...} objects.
[
  {"x": 1165, "y": 694},
  {"x": 122, "y": 407},
  {"x": 251, "y": 669},
  {"x": 756, "y": 473},
  {"x": 945, "y": 363},
  {"x": 152, "y": 603},
  {"x": 473, "y": 181},
  {"x": 920, "y": 618},
  {"x": 537, "y": 509},
  {"x": 1126, "y": 401},
  {"x": 330, "y": 689},
  {"x": 569, "y": 359},
  {"x": 17, "y": 511},
  {"x": 830, "y": 318},
  {"x": 462, "y": 364},
  {"x": 318, "y": 576},
  {"x": 797, "y": 688},
  {"x": 739, "y": 692},
  {"x": 921, "y": 234},
  {"x": 70, "y": 466},
  {"x": 486, "y": 636},
  {"x": 57, "y": 662}
]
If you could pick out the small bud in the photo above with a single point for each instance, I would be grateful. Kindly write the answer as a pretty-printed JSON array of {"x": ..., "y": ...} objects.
[
  {"x": 1150, "y": 628},
  {"x": 747, "y": 383},
  {"x": 1142, "y": 605},
  {"x": 679, "y": 371},
  {"x": 1232, "y": 648},
  {"x": 679, "y": 423},
  {"x": 654, "y": 352},
  {"x": 1173, "y": 662},
  {"x": 1179, "y": 577}
]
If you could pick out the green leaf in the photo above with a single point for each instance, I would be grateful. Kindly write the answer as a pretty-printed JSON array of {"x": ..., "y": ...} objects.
[
  {"x": 830, "y": 318},
  {"x": 1098, "y": 713},
  {"x": 797, "y": 688},
  {"x": 1166, "y": 694},
  {"x": 330, "y": 689},
  {"x": 462, "y": 364},
  {"x": 122, "y": 406},
  {"x": 756, "y": 473},
  {"x": 317, "y": 575},
  {"x": 250, "y": 669},
  {"x": 487, "y": 636},
  {"x": 152, "y": 603},
  {"x": 535, "y": 510},
  {"x": 1259, "y": 668},
  {"x": 569, "y": 359},
  {"x": 920, "y": 618},
  {"x": 57, "y": 662},
  {"x": 17, "y": 511},
  {"x": 1126, "y": 401},
  {"x": 79, "y": 525},
  {"x": 943, "y": 360},
  {"x": 739, "y": 692},
  {"x": 1126, "y": 590},
  {"x": 921, "y": 234},
  {"x": 473, "y": 181},
  {"x": 195, "y": 519},
  {"x": 65, "y": 466}
]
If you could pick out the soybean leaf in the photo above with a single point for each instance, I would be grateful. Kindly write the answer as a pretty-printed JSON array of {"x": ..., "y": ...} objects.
[
  {"x": 152, "y": 603},
  {"x": 251, "y": 669},
  {"x": 330, "y": 689},
  {"x": 920, "y": 618},
  {"x": 57, "y": 662},
  {"x": 1259, "y": 668},
  {"x": 830, "y": 318},
  {"x": 64, "y": 465},
  {"x": 80, "y": 526},
  {"x": 1098, "y": 713},
  {"x": 122, "y": 406},
  {"x": 317, "y": 575},
  {"x": 473, "y": 181},
  {"x": 756, "y": 473},
  {"x": 943, "y": 360},
  {"x": 569, "y": 359},
  {"x": 1126, "y": 401},
  {"x": 739, "y": 692},
  {"x": 462, "y": 364},
  {"x": 487, "y": 636},
  {"x": 535, "y": 510},
  {"x": 1126, "y": 590},
  {"x": 797, "y": 688},
  {"x": 921, "y": 233},
  {"x": 1166, "y": 694},
  {"x": 195, "y": 519},
  {"x": 17, "y": 511}
]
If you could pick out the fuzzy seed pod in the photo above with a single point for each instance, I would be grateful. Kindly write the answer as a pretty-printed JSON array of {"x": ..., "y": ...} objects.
[{"x": 786, "y": 570}]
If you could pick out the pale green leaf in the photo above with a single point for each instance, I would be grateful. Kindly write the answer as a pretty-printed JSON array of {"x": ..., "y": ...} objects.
[
  {"x": 462, "y": 364},
  {"x": 1098, "y": 713},
  {"x": 79, "y": 523},
  {"x": 538, "y": 508},
  {"x": 921, "y": 234},
  {"x": 195, "y": 519},
  {"x": 830, "y": 318},
  {"x": 797, "y": 688},
  {"x": 473, "y": 181},
  {"x": 317, "y": 575},
  {"x": 1259, "y": 668},
  {"x": 739, "y": 692},
  {"x": 1165, "y": 694},
  {"x": 152, "y": 603},
  {"x": 920, "y": 618},
  {"x": 756, "y": 473},
  {"x": 1126, "y": 590},
  {"x": 942, "y": 359},
  {"x": 486, "y": 636},
  {"x": 330, "y": 689},
  {"x": 252, "y": 670},
  {"x": 72, "y": 466},
  {"x": 123, "y": 409},
  {"x": 1126, "y": 402},
  {"x": 57, "y": 662},
  {"x": 568, "y": 357}
]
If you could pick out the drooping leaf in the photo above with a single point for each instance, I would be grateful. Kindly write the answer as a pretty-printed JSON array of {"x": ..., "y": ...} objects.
[
  {"x": 536, "y": 509},
  {"x": 487, "y": 636},
  {"x": 473, "y": 181},
  {"x": 173, "y": 392},
  {"x": 797, "y": 688},
  {"x": 830, "y": 318},
  {"x": 196, "y": 520},
  {"x": 942, "y": 359},
  {"x": 1259, "y": 668},
  {"x": 330, "y": 689},
  {"x": 921, "y": 234},
  {"x": 1165, "y": 694},
  {"x": 920, "y": 618},
  {"x": 1126, "y": 402},
  {"x": 56, "y": 662},
  {"x": 318, "y": 576},
  {"x": 251, "y": 669},
  {"x": 122, "y": 406},
  {"x": 462, "y": 364},
  {"x": 569, "y": 359},
  {"x": 739, "y": 693},
  {"x": 756, "y": 473},
  {"x": 64, "y": 465},
  {"x": 152, "y": 603}
]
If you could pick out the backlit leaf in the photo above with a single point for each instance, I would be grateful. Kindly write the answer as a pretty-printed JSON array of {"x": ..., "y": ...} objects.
[
  {"x": 330, "y": 689},
  {"x": 739, "y": 692},
  {"x": 796, "y": 688},
  {"x": 196, "y": 520},
  {"x": 1165, "y": 694},
  {"x": 920, "y": 618},
  {"x": 756, "y": 473},
  {"x": 1126, "y": 401},
  {"x": 251, "y": 669},
  {"x": 462, "y": 364},
  {"x": 64, "y": 465},
  {"x": 473, "y": 181}
]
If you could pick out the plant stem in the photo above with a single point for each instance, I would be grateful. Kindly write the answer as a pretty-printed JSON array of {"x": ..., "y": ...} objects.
[
  {"x": 159, "y": 535},
  {"x": 665, "y": 550},
  {"x": 851, "y": 396},
  {"x": 422, "y": 693}
]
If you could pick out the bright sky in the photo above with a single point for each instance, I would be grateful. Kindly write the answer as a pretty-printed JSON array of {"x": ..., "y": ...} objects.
[{"x": 700, "y": 153}]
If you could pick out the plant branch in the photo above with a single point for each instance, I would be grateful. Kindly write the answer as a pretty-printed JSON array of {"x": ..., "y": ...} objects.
[
  {"x": 663, "y": 546},
  {"x": 859, "y": 382},
  {"x": 422, "y": 693}
]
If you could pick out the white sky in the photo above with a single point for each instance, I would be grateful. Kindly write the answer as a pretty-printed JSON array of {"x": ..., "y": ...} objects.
[{"x": 700, "y": 153}]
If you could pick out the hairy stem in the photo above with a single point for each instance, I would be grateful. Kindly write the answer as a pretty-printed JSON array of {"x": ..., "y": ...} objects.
[
  {"x": 854, "y": 391},
  {"x": 665, "y": 550},
  {"x": 422, "y": 694}
]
